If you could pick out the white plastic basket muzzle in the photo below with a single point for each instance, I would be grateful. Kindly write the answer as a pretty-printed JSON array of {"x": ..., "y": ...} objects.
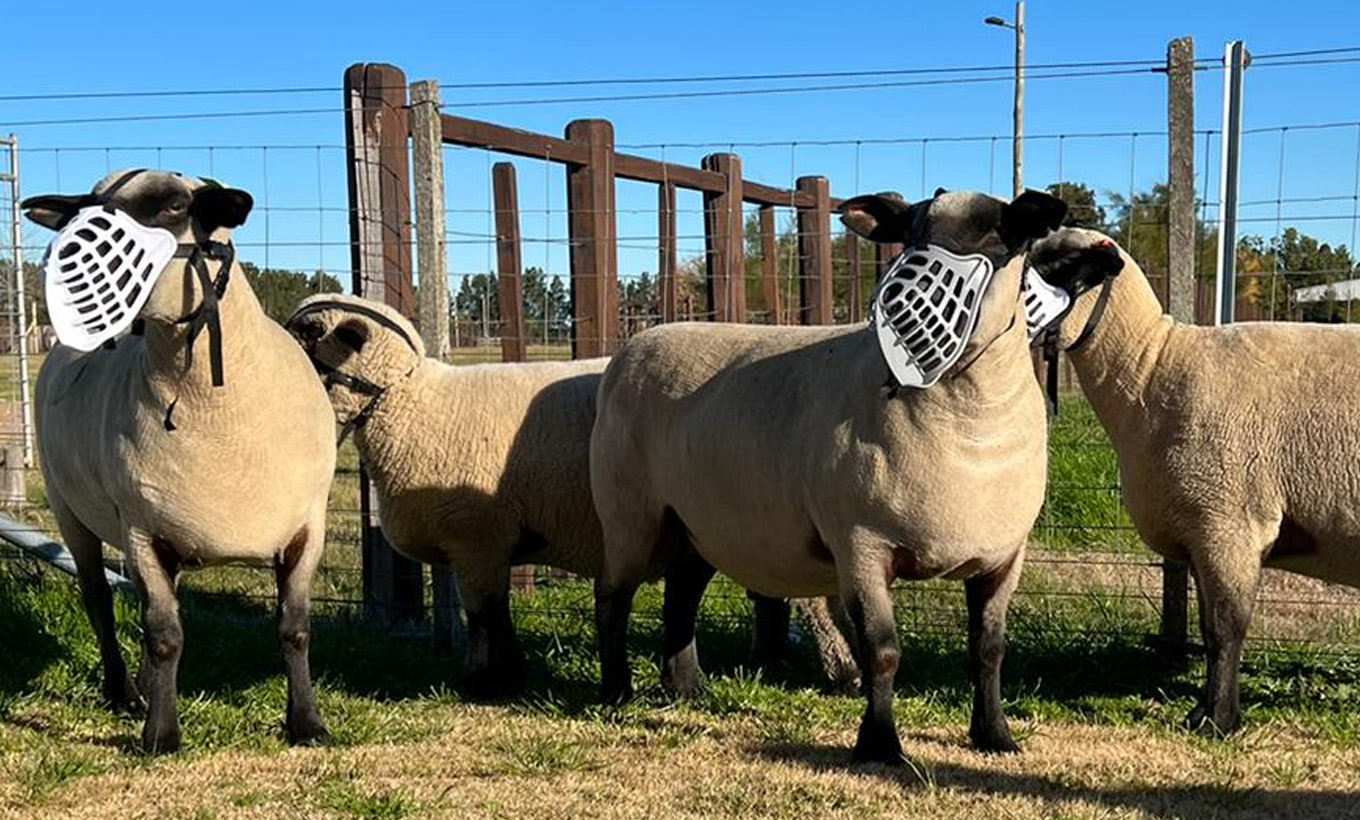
[
  {"x": 1045, "y": 304},
  {"x": 100, "y": 271},
  {"x": 925, "y": 310}
]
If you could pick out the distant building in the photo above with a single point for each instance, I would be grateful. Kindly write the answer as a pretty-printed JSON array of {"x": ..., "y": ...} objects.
[{"x": 1343, "y": 291}]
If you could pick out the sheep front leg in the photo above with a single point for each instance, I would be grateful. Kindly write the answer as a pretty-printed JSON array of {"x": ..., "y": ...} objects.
[
  {"x": 866, "y": 591},
  {"x": 988, "y": 597},
  {"x": 293, "y": 571},
  {"x": 496, "y": 664},
  {"x": 154, "y": 569},
  {"x": 686, "y": 579},
  {"x": 1227, "y": 584},
  {"x": 119, "y": 691}
]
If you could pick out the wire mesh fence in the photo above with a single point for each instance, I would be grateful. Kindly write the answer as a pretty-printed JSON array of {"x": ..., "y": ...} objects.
[{"x": 1088, "y": 571}]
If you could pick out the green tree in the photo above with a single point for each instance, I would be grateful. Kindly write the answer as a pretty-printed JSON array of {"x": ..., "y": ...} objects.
[
  {"x": 280, "y": 291},
  {"x": 478, "y": 302},
  {"x": 1270, "y": 270},
  {"x": 1083, "y": 209}
]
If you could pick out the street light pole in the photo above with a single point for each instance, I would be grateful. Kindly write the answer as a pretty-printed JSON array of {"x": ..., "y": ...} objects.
[{"x": 1018, "y": 137}]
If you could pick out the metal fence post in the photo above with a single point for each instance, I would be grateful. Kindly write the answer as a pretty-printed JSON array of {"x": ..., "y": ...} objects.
[
  {"x": 1235, "y": 61},
  {"x": 376, "y": 136}
]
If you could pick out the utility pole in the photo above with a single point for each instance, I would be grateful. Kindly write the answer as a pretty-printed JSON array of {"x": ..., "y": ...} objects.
[{"x": 1018, "y": 136}]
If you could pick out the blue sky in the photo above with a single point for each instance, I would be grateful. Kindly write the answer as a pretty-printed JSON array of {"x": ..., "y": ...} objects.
[{"x": 300, "y": 190}]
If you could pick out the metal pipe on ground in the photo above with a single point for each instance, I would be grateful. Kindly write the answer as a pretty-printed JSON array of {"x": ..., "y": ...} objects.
[{"x": 40, "y": 546}]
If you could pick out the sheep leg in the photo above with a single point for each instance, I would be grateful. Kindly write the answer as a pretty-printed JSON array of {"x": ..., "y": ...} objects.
[
  {"x": 1227, "y": 594},
  {"x": 153, "y": 572},
  {"x": 686, "y": 579},
  {"x": 988, "y": 597},
  {"x": 825, "y": 617},
  {"x": 293, "y": 571},
  {"x": 613, "y": 605},
  {"x": 865, "y": 589},
  {"x": 119, "y": 691},
  {"x": 771, "y": 638},
  {"x": 497, "y": 664}
]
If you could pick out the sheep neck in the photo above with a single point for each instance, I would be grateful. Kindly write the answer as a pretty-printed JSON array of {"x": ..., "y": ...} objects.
[
  {"x": 167, "y": 362},
  {"x": 1116, "y": 363},
  {"x": 384, "y": 447}
]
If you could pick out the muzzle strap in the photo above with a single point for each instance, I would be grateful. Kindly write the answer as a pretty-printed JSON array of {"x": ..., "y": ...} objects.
[{"x": 208, "y": 314}]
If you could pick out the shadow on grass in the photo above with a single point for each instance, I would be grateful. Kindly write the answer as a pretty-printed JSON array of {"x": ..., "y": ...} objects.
[{"x": 1183, "y": 802}]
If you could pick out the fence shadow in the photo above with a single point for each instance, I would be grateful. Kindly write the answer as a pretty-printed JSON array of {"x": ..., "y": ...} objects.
[{"x": 1183, "y": 802}]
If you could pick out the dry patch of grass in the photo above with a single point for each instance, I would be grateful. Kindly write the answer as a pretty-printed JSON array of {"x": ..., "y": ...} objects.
[{"x": 501, "y": 762}]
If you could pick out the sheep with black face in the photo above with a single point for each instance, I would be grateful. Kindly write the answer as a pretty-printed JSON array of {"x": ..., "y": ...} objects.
[
  {"x": 1237, "y": 444},
  {"x": 776, "y": 455},
  {"x": 204, "y": 439},
  {"x": 483, "y": 467}
]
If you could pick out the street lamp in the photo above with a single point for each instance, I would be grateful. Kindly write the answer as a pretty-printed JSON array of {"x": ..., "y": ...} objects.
[{"x": 1018, "y": 141}]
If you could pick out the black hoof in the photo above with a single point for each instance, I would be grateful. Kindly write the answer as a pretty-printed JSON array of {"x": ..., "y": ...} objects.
[
  {"x": 686, "y": 683},
  {"x": 160, "y": 743},
  {"x": 1199, "y": 722},
  {"x": 616, "y": 695},
  {"x": 125, "y": 699},
  {"x": 994, "y": 743},
  {"x": 878, "y": 745},
  {"x": 491, "y": 682},
  {"x": 309, "y": 736}
]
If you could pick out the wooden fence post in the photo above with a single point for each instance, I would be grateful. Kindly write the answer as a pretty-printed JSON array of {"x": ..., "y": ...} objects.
[
  {"x": 769, "y": 265},
  {"x": 724, "y": 241},
  {"x": 13, "y": 490},
  {"x": 666, "y": 250},
  {"x": 591, "y": 232},
  {"x": 814, "y": 252},
  {"x": 1180, "y": 65},
  {"x": 509, "y": 285},
  {"x": 852, "y": 250},
  {"x": 376, "y": 135}
]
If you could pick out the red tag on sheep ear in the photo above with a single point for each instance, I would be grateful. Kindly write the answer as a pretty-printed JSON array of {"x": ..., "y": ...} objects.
[{"x": 1105, "y": 244}]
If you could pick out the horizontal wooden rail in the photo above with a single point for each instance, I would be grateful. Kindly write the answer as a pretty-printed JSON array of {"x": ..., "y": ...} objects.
[{"x": 478, "y": 134}]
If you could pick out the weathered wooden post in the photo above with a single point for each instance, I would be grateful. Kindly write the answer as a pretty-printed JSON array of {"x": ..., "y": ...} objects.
[
  {"x": 769, "y": 265},
  {"x": 724, "y": 241},
  {"x": 433, "y": 297},
  {"x": 591, "y": 232},
  {"x": 814, "y": 251},
  {"x": 666, "y": 250},
  {"x": 13, "y": 490},
  {"x": 509, "y": 284},
  {"x": 1180, "y": 73},
  {"x": 376, "y": 135}
]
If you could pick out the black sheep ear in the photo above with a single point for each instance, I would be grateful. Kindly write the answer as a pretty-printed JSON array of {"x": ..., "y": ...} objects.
[
  {"x": 1032, "y": 215},
  {"x": 939, "y": 191},
  {"x": 877, "y": 217},
  {"x": 352, "y": 334},
  {"x": 52, "y": 210},
  {"x": 216, "y": 207},
  {"x": 1073, "y": 266}
]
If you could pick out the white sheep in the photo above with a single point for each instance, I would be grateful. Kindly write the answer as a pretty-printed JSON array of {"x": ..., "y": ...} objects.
[
  {"x": 777, "y": 454},
  {"x": 1237, "y": 444},
  {"x": 483, "y": 467},
  {"x": 141, "y": 451}
]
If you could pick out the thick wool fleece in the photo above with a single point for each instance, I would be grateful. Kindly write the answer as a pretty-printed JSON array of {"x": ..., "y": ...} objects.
[
  {"x": 783, "y": 457},
  {"x": 1236, "y": 444},
  {"x": 132, "y": 438}
]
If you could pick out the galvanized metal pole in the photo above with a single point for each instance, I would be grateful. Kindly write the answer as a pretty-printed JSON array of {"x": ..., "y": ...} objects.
[
  {"x": 1235, "y": 61},
  {"x": 1018, "y": 141},
  {"x": 21, "y": 303}
]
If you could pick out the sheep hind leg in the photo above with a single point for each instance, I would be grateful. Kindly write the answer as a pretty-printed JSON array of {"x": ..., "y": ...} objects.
[
  {"x": 293, "y": 570},
  {"x": 686, "y": 579},
  {"x": 154, "y": 569},
  {"x": 830, "y": 631},
  {"x": 1227, "y": 585},
  {"x": 864, "y": 587},
  {"x": 988, "y": 597},
  {"x": 769, "y": 643}
]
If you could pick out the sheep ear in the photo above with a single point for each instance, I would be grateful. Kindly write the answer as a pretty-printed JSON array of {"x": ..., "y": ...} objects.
[
  {"x": 352, "y": 334},
  {"x": 877, "y": 218},
  {"x": 1032, "y": 215},
  {"x": 1071, "y": 265},
  {"x": 217, "y": 207},
  {"x": 52, "y": 210}
]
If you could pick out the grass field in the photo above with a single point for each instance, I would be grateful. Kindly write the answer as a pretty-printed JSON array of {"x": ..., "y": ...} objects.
[{"x": 1096, "y": 709}]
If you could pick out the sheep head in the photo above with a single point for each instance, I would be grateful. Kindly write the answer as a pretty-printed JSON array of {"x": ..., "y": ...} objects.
[
  {"x": 359, "y": 346},
  {"x": 1077, "y": 260},
  {"x": 965, "y": 223},
  {"x": 194, "y": 211}
]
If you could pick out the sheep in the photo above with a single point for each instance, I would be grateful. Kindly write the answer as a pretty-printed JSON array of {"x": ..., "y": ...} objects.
[
  {"x": 1236, "y": 444},
  {"x": 482, "y": 467},
  {"x": 776, "y": 455},
  {"x": 141, "y": 450}
]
